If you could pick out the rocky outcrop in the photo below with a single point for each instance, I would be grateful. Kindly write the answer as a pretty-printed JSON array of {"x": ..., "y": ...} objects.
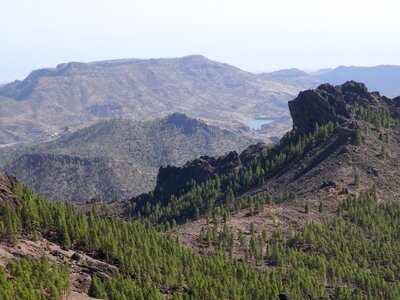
[
  {"x": 6, "y": 194},
  {"x": 330, "y": 103},
  {"x": 173, "y": 179},
  {"x": 252, "y": 152}
]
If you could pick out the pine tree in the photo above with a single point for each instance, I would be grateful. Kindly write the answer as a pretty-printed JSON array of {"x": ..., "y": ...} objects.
[
  {"x": 357, "y": 180},
  {"x": 96, "y": 289},
  {"x": 358, "y": 138},
  {"x": 307, "y": 207}
]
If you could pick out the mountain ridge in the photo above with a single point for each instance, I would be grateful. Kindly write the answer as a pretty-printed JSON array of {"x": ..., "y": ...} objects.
[
  {"x": 117, "y": 158},
  {"x": 330, "y": 126},
  {"x": 80, "y": 93}
]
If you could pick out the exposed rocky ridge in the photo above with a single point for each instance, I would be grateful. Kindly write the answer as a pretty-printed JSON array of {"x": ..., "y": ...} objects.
[
  {"x": 118, "y": 158},
  {"x": 336, "y": 158},
  {"x": 324, "y": 175},
  {"x": 172, "y": 178},
  {"x": 6, "y": 194},
  {"x": 81, "y": 266},
  {"x": 73, "y": 94},
  {"x": 329, "y": 103}
]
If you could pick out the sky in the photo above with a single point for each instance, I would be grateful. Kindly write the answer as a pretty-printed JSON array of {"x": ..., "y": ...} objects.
[{"x": 254, "y": 35}]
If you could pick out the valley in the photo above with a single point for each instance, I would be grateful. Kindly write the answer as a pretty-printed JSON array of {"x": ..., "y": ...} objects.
[
  {"x": 186, "y": 150},
  {"x": 260, "y": 197},
  {"x": 315, "y": 215}
]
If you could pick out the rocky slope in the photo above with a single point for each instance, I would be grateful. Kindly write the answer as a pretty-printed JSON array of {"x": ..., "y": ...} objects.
[
  {"x": 320, "y": 106},
  {"x": 355, "y": 146},
  {"x": 299, "y": 234},
  {"x": 81, "y": 266},
  {"x": 40, "y": 106},
  {"x": 118, "y": 158},
  {"x": 6, "y": 194}
]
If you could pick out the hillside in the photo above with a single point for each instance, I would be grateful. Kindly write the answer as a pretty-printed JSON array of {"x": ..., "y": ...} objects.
[
  {"x": 293, "y": 77},
  {"x": 315, "y": 216},
  {"x": 313, "y": 168},
  {"x": 118, "y": 158},
  {"x": 72, "y": 94}
]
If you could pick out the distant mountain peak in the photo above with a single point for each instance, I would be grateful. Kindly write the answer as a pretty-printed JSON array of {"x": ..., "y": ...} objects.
[{"x": 186, "y": 123}]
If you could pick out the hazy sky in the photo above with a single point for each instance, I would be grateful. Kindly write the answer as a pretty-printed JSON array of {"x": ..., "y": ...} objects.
[{"x": 254, "y": 35}]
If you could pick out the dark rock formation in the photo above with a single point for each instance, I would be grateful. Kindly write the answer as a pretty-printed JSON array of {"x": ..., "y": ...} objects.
[
  {"x": 76, "y": 256},
  {"x": 6, "y": 194},
  {"x": 252, "y": 152},
  {"x": 284, "y": 297},
  {"x": 330, "y": 103},
  {"x": 173, "y": 179}
]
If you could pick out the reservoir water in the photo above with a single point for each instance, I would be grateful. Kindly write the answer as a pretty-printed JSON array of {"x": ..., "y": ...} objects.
[{"x": 256, "y": 124}]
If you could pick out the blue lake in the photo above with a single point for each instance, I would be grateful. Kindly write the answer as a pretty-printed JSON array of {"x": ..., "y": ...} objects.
[{"x": 256, "y": 124}]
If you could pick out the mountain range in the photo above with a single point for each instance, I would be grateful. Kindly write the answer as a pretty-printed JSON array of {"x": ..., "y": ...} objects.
[
  {"x": 314, "y": 216},
  {"x": 383, "y": 78},
  {"x": 75, "y": 94}
]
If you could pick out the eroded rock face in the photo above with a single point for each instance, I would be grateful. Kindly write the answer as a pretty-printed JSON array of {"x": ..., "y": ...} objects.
[
  {"x": 6, "y": 194},
  {"x": 174, "y": 178},
  {"x": 330, "y": 103},
  {"x": 252, "y": 152}
]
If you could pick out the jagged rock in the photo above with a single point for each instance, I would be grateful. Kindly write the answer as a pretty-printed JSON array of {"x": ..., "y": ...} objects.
[
  {"x": 252, "y": 152},
  {"x": 95, "y": 199},
  {"x": 76, "y": 256},
  {"x": 56, "y": 253},
  {"x": 328, "y": 184},
  {"x": 6, "y": 194},
  {"x": 330, "y": 103},
  {"x": 284, "y": 296},
  {"x": 175, "y": 178},
  {"x": 373, "y": 171}
]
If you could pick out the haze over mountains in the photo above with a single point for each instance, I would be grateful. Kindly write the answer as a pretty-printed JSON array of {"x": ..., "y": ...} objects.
[
  {"x": 314, "y": 216},
  {"x": 75, "y": 94},
  {"x": 383, "y": 78}
]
